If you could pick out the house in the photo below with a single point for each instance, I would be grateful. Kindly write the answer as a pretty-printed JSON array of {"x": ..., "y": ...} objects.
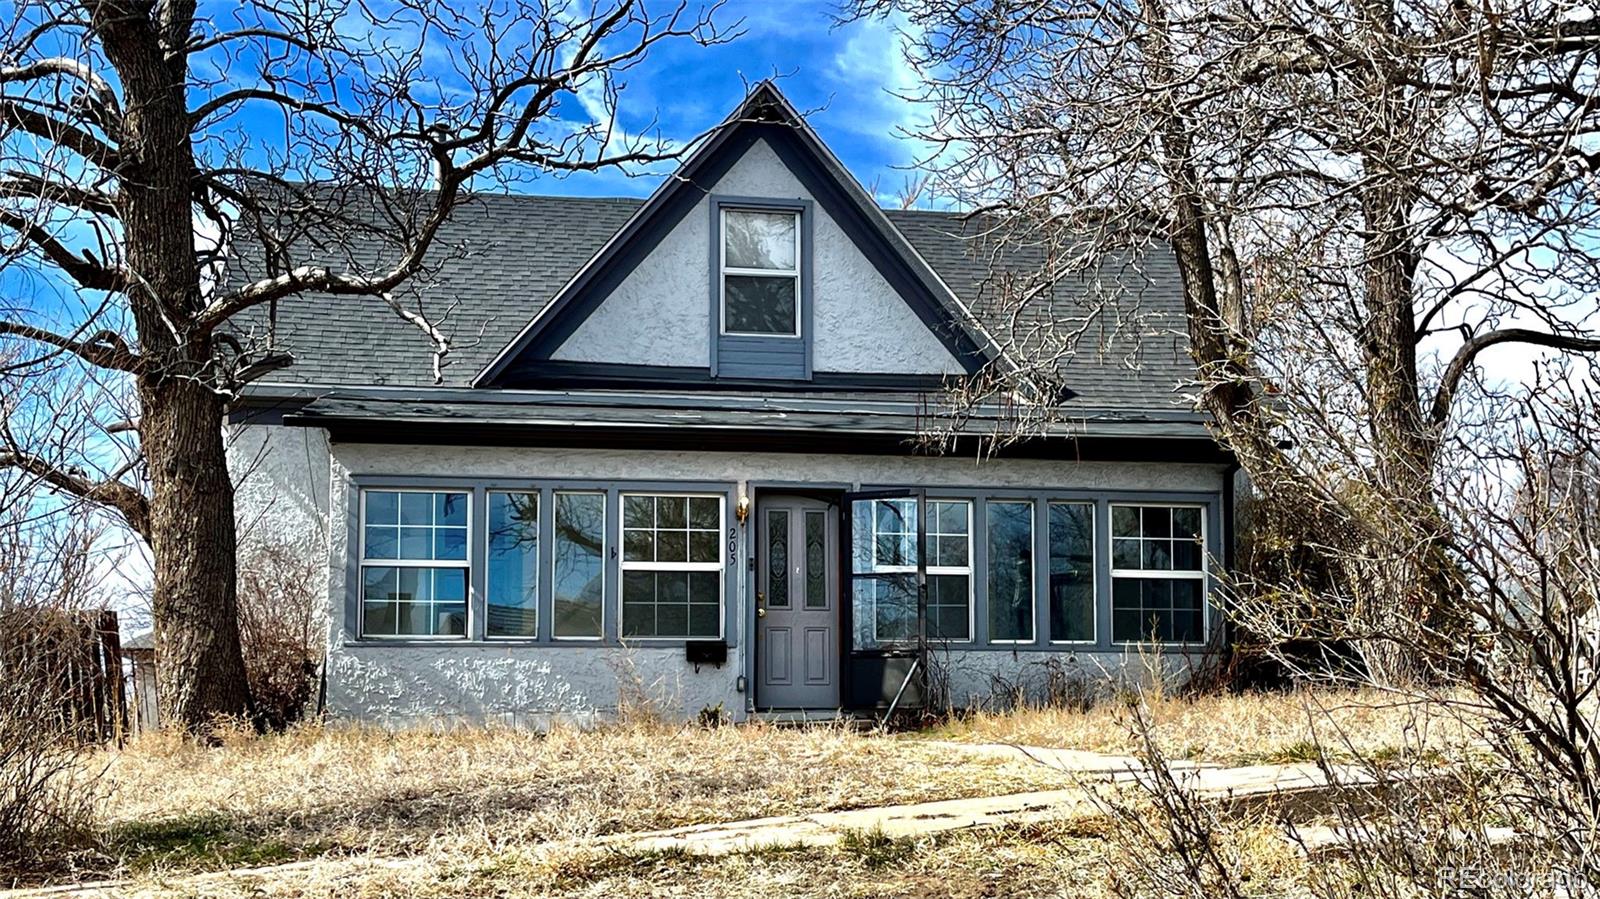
[{"x": 679, "y": 462}]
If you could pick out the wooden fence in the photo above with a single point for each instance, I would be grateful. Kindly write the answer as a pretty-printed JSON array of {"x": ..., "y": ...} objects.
[{"x": 71, "y": 663}]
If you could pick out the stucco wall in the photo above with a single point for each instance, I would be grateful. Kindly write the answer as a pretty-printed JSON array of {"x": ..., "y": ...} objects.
[
  {"x": 530, "y": 684},
  {"x": 294, "y": 490},
  {"x": 660, "y": 313}
]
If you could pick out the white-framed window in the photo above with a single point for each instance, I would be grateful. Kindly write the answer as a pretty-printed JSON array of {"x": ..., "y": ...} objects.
[
  {"x": 760, "y": 276},
  {"x": 414, "y": 563},
  {"x": 512, "y": 572},
  {"x": 672, "y": 565},
  {"x": 889, "y": 614},
  {"x": 1070, "y": 591},
  {"x": 578, "y": 565},
  {"x": 1008, "y": 532},
  {"x": 1158, "y": 577}
]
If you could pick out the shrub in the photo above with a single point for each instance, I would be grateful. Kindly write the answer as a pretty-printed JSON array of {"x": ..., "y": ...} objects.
[{"x": 278, "y": 631}]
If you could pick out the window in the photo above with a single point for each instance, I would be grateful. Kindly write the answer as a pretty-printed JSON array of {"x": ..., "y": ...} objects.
[
  {"x": 884, "y": 564},
  {"x": 578, "y": 571},
  {"x": 413, "y": 564},
  {"x": 761, "y": 272},
  {"x": 1008, "y": 528},
  {"x": 671, "y": 566},
  {"x": 513, "y": 569},
  {"x": 949, "y": 570},
  {"x": 1157, "y": 574},
  {"x": 1071, "y": 586}
]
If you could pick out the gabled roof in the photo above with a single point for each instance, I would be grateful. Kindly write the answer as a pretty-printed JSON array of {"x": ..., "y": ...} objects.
[{"x": 764, "y": 114}]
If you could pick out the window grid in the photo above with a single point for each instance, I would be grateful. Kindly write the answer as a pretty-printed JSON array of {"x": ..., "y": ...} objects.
[
  {"x": 737, "y": 271},
  {"x": 405, "y": 531},
  {"x": 663, "y": 520},
  {"x": 1149, "y": 559},
  {"x": 946, "y": 537}
]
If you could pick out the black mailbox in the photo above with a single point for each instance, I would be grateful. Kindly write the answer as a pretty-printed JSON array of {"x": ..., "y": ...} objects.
[{"x": 706, "y": 652}]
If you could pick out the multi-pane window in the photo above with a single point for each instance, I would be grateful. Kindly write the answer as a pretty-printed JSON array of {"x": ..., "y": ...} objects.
[
  {"x": 884, "y": 562},
  {"x": 949, "y": 570},
  {"x": 413, "y": 564},
  {"x": 513, "y": 565},
  {"x": 761, "y": 272},
  {"x": 1071, "y": 586},
  {"x": 1009, "y": 527},
  {"x": 578, "y": 570},
  {"x": 671, "y": 566},
  {"x": 1157, "y": 573}
]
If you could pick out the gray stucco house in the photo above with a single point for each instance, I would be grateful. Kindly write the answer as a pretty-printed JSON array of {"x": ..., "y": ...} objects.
[{"x": 678, "y": 466}]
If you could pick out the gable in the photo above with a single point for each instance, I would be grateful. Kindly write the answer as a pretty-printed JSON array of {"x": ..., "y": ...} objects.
[
  {"x": 660, "y": 313},
  {"x": 866, "y": 307}
]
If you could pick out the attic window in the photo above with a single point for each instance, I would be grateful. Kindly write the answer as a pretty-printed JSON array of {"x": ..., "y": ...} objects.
[{"x": 761, "y": 272}]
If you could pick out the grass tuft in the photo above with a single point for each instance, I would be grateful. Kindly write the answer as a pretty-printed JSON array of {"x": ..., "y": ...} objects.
[{"x": 876, "y": 849}]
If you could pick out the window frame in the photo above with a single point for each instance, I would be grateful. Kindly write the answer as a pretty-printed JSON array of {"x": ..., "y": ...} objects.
[
  {"x": 969, "y": 570},
  {"x": 795, "y": 273},
  {"x": 605, "y": 563},
  {"x": 1201, "y": 574},
  {"x": 1033, "y": 572},
  {"x": 1094, "y": 569},
  {"x": 720, "y": 566},
  {"x": 539, "y": 581},
  {"x": 363, "y": 563}
]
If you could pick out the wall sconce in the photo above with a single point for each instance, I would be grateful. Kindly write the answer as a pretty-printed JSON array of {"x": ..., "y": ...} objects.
[{"x": 741, "y": 511}]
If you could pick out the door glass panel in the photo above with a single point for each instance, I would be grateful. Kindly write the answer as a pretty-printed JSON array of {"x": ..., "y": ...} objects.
[
  {"x": 778, "y": 558},
  {"x": 816, "y": 560},
  {"x": 883, "y": 561}
]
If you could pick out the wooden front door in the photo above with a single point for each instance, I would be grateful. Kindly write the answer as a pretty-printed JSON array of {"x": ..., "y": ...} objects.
[{"x": 797, "y": 629}]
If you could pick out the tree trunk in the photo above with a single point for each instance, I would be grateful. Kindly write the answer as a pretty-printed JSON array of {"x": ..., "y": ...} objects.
[
  {"x": 192, "y": 539},
  {"x": 198, "y": 657}
]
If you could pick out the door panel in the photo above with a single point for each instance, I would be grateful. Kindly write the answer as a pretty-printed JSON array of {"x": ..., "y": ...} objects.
[{"x": 797, "y": 584}]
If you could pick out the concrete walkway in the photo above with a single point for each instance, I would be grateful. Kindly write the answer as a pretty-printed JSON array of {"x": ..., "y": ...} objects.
[{"x": 1303, "y": 783}]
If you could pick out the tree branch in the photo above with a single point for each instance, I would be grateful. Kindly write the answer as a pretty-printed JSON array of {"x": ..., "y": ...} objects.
[
  {"x": 89, "y": 273},
  {"x": 24, "y": 185},
  {"x": 1457, "y": 369},
  {"x": 105, "y": 348},
  {"x": 126, "y": 500},
  {"x": 70, "y": 137}
]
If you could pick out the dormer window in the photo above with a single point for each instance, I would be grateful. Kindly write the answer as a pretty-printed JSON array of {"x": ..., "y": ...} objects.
[{"x": 761, "y": 263}]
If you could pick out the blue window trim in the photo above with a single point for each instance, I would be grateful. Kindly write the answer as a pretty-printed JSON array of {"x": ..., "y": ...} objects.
[
  {"x": 782, "y": 357},
  {"x": 1101, "y": 501},
  {"x": 478, "y": 550}
]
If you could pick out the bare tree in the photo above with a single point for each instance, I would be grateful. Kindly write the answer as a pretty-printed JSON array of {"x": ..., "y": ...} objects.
[
  {"x": 141, "y": 142},
  {"x": 1362, "y": 197}
]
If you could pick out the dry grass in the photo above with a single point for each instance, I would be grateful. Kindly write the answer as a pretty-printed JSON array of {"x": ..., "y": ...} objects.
[
  {"x": 474, "y": 812},
  {"x": 1234, "y": 729},
  {"x": 1057, "y": 859},
  {"x": 179, "y": 806}
]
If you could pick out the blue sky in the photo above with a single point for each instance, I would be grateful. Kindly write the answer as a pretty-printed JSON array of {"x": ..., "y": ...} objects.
[{"x": 842, "y": 76}]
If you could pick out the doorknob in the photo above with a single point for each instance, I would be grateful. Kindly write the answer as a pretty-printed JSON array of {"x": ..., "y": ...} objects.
[{"x": 761, "y": 608}]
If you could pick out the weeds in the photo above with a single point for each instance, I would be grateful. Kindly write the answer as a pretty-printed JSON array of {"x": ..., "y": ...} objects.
[{"x": 876, "y": 849}]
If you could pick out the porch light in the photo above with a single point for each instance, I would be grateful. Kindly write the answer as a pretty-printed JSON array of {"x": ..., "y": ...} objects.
[{"x": 741, "y": 511}]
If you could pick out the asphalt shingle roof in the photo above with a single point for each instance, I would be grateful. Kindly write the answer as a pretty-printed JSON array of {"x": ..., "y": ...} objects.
[{"x": 510, "y": 254}]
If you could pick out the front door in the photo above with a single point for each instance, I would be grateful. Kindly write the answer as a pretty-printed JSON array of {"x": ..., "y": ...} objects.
[{"x": 797, "y": 628}]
